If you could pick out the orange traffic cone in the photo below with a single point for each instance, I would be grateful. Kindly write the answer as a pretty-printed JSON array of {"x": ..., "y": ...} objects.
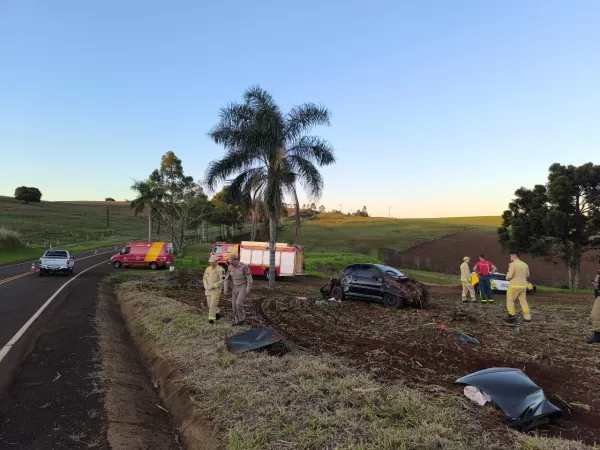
[{"x": 32, "y": 267}]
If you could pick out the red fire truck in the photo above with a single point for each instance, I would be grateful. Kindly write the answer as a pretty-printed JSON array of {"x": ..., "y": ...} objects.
[{"x": 289, "y": 259}]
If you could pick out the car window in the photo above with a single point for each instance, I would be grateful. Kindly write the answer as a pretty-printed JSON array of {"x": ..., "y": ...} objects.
[
  {"x": 56, "y": 254},
  {"x": 391, "y": 271},
  {"x": 367, "y": 272}
]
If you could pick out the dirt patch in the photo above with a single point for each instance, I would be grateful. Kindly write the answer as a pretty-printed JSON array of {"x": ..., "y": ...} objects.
[
  {"x": 445, "y": 255},
  {"x": 196, "y": 433},
  {"x": 136, "y": 417},
  {"x": 407, "y": 345}
]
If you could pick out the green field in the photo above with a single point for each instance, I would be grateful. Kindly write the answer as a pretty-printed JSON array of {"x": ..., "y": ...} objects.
[
  {"x": 77, "y": 226},
  {"x": 338, "y": 233}
]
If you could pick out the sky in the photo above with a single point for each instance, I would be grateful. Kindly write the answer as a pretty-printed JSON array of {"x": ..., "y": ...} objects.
[{"x": 439, "y": 108}]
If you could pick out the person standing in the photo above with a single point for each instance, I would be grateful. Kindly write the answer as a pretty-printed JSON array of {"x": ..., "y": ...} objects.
[
  {"x": 595, "y": 339},
  {"x": 465, "y": 278},
  {"x": 241, "y": 279},
  {"x": 517, "y": 275},
  {"x": 484, "y": 269},
  {"x": 213, "y": 283}
]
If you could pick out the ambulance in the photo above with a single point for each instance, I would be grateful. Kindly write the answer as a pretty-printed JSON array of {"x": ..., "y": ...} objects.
[
  {"x": 289, "y": 259},
  {"x": 499, "y": 283},
  {"x": 144, "y": 254}
]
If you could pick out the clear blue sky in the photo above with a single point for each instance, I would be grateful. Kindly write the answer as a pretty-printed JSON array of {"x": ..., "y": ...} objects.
[{"x": 440, "y": 108}]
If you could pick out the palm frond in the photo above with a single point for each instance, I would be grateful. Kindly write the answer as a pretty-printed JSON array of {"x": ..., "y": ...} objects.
[
  {"x": 233, "y": 162},
  {"x": 315, "y": 149},
  {"x": 308, "y": 175},
  {"x": 301, "y": 119}
]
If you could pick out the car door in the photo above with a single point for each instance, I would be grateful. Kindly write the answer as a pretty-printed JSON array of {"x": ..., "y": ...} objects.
[
  {"x": 363, "y": 282},
  {"x": 352, "y": 282},
  {"x": 373, "y": 283}
]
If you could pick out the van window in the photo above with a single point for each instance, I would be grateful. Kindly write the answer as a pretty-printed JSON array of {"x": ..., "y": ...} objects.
[
  {"x": 217, "y": 249},
  {"x": 127, "y": 250},
  {"x": 230, "y": 249}
]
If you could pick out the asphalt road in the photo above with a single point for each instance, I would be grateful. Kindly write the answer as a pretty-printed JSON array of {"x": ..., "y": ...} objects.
[{"x": 46, "y": 387}]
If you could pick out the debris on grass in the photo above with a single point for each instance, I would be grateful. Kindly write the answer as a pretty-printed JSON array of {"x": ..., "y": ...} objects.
[
  {"x": 253, "y": 339},
  {"x": 523, "y": 401}
]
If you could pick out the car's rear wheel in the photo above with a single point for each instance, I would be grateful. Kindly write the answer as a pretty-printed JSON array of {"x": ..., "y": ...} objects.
[
  {"x": 153, "y": 265},
  {"x": 117, "y": 264},
  {"x": 393, "y": 301},
  {"x": 337, "y": 293}
]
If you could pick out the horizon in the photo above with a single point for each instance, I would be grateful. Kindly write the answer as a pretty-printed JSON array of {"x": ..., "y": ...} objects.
[{"x": 438, "y": 109}]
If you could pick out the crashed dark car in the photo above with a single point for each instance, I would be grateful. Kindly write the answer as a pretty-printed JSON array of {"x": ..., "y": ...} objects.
[{"x": 378, "y": 283}]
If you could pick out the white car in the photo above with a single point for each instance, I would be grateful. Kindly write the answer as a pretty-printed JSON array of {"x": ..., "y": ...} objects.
[
  {"x": 57, "y": 261},
  {"x": 498, "y": 281}
]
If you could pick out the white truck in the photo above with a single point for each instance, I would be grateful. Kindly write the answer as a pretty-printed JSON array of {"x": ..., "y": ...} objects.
[{"x": 57, "y": 261}]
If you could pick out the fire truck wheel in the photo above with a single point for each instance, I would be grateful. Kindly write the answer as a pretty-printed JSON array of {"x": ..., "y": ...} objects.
[
  {"x": 117, "y": 264},
  {"x": 392, "y": 301},
  {"x": 153, "y": 265}
]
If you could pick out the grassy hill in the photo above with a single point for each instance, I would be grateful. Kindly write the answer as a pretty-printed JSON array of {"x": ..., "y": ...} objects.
[
  {"x": 334, "y": 232},
  {"x": 76, "y": 225}
]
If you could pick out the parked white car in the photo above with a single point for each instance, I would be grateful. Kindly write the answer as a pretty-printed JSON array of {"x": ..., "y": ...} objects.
[{"x": 57, "y": 261}]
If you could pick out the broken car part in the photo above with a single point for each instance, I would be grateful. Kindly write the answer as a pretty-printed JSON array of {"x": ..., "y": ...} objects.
[
  {"x": 252, "y": 340},
  {"x": 523, "y": 401}
]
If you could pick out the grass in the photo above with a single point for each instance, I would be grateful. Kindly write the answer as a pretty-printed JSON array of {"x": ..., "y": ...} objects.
[
  {"x": 337, "y": 233},
  {"x": 313, "y": 399},
  {"x": 76, "y": 223},
  {"x": 299, "y": 400}
]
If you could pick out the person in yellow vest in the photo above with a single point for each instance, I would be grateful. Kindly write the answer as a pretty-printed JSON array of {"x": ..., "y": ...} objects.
[
  {"x": 465, "y": 278},
  {"x": 517, "y": 275},
  {"x": 595, "y": 339},
  {"x": 213, "y": 284}
]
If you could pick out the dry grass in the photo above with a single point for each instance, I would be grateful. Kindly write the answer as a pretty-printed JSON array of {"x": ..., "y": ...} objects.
[{"x": 302, "y": 400}]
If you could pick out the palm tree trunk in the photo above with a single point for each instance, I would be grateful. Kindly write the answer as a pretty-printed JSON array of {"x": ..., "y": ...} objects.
[
  {"x": 150, "y": 224},
  {"x": 297, "y": 239},
  {"x": 272, "y": 240}
]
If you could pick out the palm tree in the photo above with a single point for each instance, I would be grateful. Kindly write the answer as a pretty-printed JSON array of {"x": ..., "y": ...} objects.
[
  {"x": 147, "y": 196},
  {"x": 268, "y": 153}
]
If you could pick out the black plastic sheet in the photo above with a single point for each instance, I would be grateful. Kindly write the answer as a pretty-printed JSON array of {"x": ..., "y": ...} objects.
[
  {"x": 252, "y": 340},
  {"x": 523, "y": 401}
]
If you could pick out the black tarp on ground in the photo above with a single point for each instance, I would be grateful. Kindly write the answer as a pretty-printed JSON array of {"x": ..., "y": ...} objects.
[
  {"x": 523, "y": 401},
  {"x": 252, "y": 340}
]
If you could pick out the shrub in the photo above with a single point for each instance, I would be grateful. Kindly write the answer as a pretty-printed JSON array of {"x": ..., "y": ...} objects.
[
  {"x": 28, "y": 194},
  {"x": 10, "y": 240}
]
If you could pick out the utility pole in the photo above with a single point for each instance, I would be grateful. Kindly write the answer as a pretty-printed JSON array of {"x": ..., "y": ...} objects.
[
  {"x": 107, "y": 219},
  {"x": 340, "y": 207}
]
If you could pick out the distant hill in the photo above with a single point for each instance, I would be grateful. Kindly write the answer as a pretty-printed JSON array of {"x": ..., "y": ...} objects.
[{"x": 56, "y": 223}]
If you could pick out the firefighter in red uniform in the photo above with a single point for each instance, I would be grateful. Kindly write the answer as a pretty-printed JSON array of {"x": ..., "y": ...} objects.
[{"x": 484, "y": 269}]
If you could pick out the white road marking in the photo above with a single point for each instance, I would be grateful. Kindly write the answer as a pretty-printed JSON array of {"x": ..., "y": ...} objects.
[{"x": 25, "y": 327}]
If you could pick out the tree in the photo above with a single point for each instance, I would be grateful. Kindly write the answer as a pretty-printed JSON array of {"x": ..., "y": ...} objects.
[
  {"x": 28, "y": 194},
  {"x": 321, "y": 208},
  {"x": 269, "y": 152},
  {"x": 109, "y": 199},
  {"x": 148, "y": 198},
  {"x": 560, "y": 219}
]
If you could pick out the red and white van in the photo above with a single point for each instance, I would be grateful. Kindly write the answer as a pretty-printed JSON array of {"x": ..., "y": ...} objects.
[{"x": 144, "y": 254}]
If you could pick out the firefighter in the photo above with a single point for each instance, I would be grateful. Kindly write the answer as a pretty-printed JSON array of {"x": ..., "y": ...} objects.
[
  {"x": 517, "y": 275},
  {"x": 213, "y": 283},
  {"x": 484, "y": 269},
  {"x": 595, "y": 339},
  {"x": 465, "y": 278},
  {"x": 241, "y": 278}
]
